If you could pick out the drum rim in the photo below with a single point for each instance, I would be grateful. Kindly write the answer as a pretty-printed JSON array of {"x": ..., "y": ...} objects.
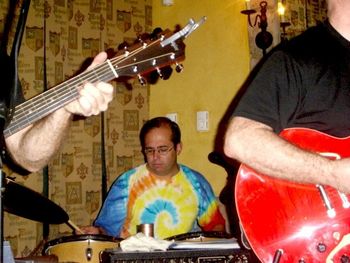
[{"x": 76, "y": 238}]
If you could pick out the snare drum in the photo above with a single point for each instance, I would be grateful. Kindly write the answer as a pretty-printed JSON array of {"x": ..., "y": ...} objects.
[{"x": 80, "y": 248}]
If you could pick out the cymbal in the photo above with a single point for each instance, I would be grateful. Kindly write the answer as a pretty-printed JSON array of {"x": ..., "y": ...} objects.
[{"x": 24, "y": 202}]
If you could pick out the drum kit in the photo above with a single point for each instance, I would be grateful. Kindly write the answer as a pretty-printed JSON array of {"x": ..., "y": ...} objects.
[
  {"x": 85, "y": 248},
  {"x": 24, "y": 202}
]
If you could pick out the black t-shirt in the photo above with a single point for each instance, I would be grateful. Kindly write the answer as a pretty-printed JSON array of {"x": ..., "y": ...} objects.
[{"x": 303, "y": 83}]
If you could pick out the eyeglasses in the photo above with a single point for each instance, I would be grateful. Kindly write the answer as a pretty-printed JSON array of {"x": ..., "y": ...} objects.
[{"x": 161, "y": 150}]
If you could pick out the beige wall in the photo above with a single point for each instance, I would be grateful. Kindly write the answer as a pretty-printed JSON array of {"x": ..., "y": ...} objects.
[{"x": 216, "y": 65}]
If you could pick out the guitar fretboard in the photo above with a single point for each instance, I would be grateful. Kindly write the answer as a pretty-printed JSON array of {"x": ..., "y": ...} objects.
[{"x": 43, "y": 104}]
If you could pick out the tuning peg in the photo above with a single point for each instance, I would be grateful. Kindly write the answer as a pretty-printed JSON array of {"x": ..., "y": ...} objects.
[
  {"x": 123, "y": 46},
  {"x": 142, "y": 80},
  {"x": 155, "y": 33},
  {"x": 159, "y": 73},
  {"x": 179, "y": 67}
]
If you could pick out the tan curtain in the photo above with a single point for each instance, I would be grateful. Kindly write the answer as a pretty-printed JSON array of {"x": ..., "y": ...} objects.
[{"x": 71, "y": 32}]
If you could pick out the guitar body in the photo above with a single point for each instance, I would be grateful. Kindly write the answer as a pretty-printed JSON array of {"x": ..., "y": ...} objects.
[{"x": 278, "y": 215}]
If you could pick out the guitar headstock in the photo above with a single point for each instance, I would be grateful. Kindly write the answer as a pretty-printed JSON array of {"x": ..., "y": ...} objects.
[{"x": 152, "y": 55}]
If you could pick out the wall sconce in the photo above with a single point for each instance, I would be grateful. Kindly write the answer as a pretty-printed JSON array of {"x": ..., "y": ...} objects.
[
  {"x": 264, "y": 38},
  {"x": 283, "y": 23}
]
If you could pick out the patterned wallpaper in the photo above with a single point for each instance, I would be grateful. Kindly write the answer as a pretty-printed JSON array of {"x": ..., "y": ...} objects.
[
  {"x": 65, "y": 34},
  {"x": 303, "y": 14},
  {"x": 300, "y": 13}
]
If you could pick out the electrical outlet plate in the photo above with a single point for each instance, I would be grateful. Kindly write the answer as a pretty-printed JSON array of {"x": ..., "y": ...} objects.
[
  {"x": 172, "y": 116},
  {"x": 202, "y": 121}
]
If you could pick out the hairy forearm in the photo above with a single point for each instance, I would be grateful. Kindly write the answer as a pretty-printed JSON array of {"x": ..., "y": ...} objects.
[
  {"x": 34, "y": 146},
  {"x": 256, "y": 145}
]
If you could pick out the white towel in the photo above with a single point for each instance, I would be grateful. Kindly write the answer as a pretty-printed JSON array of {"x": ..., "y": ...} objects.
[{"x": 140, "y": 242}]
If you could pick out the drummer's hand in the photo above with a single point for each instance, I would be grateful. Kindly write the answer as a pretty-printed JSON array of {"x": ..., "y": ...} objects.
[{"x": 89, "y": 230}]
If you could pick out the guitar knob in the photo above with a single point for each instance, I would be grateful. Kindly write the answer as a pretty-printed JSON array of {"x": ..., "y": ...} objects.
[
  {"x": 142, "y": 80},
  {"x": 344, "y": 259},
  {"x": 321, "y": 247},
  {"x": 179, "y": 67}
]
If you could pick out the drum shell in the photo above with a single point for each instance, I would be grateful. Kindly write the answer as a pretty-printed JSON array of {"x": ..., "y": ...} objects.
[{"x": 80, "y": 248}]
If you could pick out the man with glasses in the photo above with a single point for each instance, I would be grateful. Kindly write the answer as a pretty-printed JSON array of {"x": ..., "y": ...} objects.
[{"x": 172, "y": 196}]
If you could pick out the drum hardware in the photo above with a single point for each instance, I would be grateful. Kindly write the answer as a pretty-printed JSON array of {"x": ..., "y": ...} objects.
[
  {"x": 37, "y": 251},
  {"x": 88, "y": 253},
  {"x": 24, "y": 202},
  {"x": 87, "y": 248}
]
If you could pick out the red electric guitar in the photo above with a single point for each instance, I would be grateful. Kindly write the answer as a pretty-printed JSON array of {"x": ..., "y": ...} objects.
[{"x": 290, "y": 222}]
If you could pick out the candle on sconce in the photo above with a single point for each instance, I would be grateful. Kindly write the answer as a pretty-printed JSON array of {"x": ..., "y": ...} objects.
[
  {"x": 281, "y": 9},
  {"x": 247, "y": 5}
]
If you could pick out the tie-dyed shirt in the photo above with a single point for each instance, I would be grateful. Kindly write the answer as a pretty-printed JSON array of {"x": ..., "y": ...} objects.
[{"x": 175, "y": 206}]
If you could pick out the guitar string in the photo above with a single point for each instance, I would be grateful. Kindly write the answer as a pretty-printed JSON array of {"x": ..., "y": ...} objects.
[
  {"x": 73, "y": 81},
  {"x": 62, "y": 93},
  {"x": 60, "y": 89},
  {"x": 77, "y": 79},
  {"x": 64, "y": 99},
  {"x": 56, "y": 90}
]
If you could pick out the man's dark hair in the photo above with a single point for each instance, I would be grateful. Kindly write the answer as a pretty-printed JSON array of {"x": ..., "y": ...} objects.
[{"x": 157, "y": 123}]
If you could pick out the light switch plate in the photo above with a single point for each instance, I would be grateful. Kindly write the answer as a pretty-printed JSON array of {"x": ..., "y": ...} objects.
[
  {"x": 172, "y": 116},
  {"x": 202, "y": 121}
]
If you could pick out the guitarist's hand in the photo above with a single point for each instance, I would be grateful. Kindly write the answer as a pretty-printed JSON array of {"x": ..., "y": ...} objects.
[{"x": 94, "y": 98}]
